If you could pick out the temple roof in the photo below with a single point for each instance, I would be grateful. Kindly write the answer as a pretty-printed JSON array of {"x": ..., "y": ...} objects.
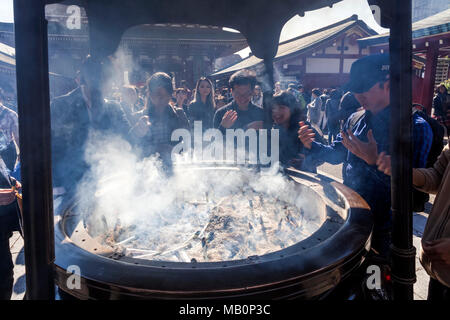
[
  {"x": 182, "y": 32},
  {"x": 7, "y": 54},
  {"x": 108, "y": 19},
  {"x": 192, "y": 34},
  {"x": 8, "y": 59},
  {"x": 431, "y": 26},
  {"x": 302, "y": 43}
]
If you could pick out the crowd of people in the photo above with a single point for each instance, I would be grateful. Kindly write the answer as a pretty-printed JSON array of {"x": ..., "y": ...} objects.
[{"x": 348, "y": 125}]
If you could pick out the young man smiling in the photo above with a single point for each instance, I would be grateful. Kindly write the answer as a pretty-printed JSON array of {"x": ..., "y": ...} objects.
[
  {"x": 241, "y": 113},
  {"x": 365, "y": 134}
]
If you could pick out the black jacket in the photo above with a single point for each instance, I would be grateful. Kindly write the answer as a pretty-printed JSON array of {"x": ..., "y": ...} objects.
[
  {"x": 440, "y": 104},
  {"x": 292, "y": 148},
  {"x": 198, "y": 111},
  {"x": 70, "y": 128},
  {"x": 253, "y": 113},
  {"x": 9, "y": 214}
]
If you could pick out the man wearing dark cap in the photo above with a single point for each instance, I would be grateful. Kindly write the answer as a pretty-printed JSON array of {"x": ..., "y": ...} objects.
[{"x": 365, "y": 134}]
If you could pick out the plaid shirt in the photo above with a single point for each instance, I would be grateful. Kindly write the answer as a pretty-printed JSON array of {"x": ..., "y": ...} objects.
[{"x": 160, "y": 132}]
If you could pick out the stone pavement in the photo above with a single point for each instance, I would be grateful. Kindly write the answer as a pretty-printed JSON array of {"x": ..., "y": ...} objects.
[
  {"x": 334, "y": 171},
  {"x": 16, "y": 244}
]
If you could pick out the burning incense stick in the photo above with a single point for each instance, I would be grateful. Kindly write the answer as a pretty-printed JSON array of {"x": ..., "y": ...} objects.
[{"x": 124, "y": 241}]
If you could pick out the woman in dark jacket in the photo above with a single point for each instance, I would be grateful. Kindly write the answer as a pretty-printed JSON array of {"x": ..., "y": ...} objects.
[
  {"x": 286, "y": 115},
  {"x": 202, "y": 108},
  {"x": 440, "y": 101}
]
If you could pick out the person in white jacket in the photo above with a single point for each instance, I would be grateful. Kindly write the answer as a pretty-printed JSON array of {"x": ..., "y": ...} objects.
[{"x": 314, "y": 108}]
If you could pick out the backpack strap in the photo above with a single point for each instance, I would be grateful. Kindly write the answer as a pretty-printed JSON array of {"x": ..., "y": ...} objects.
[{"x": 354, "y": 118}]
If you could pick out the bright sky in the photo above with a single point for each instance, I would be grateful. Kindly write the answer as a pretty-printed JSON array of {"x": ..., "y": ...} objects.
[
  {"x": 326, "y": 16},
  {"x": 6, "y": 11},
  {"x": 294, "y": 27},
  {"x": 323, "y": 17}
]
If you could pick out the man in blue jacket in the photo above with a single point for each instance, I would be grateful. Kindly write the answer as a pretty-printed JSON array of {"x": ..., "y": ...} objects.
[{"x": 365, "y": 134}]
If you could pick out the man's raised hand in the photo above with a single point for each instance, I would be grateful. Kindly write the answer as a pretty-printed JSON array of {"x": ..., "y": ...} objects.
[
  {"x": 228, "y": 119},
  {"x": 367, "y": 151},
  {"x": 384, "y": 163}
]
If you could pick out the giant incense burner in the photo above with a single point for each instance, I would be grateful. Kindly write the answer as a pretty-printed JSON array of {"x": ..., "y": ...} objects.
[{"x": 296, "y": 237}]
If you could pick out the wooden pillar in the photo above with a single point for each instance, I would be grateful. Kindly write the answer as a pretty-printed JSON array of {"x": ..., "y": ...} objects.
[
  {"x": 402, "y": 250},
  {"x": 34, "y": 127},
  {"x": 430, "y": 76},
  {"x": 341, "y": 58}
]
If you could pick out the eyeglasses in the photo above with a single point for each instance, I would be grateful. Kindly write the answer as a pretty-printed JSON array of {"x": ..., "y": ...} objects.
[{"x": 245, "y": 94}]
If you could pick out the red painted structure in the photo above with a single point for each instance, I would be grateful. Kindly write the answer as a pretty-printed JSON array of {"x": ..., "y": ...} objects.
[{"x": 431, "y": 40}]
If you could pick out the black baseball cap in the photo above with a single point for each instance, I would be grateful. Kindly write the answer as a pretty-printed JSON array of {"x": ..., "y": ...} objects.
[{"x": 366, "y": 72}]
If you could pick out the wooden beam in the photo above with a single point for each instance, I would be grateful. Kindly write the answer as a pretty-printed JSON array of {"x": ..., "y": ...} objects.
[
  {"x": 341, "y": 56},
  {"x": 402, "y": 254},
  {"x": 430, "y": 76}
]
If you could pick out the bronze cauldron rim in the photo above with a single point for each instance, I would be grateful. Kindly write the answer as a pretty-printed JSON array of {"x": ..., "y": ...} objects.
[{"x": 295, "y": 271}]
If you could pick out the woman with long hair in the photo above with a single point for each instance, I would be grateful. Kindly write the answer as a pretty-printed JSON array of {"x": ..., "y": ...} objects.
[
  {"x": 286, "y": 117},
  {"x": 202, "y": 108}
]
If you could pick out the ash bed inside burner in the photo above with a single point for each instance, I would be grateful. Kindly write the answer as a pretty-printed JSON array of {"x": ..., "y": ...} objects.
[
  {"x": 233, "y": 227},
  {"x": 199, "y": 215}
]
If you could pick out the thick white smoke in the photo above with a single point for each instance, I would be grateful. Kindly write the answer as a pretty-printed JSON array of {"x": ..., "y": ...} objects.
[{"x": 162, "y": 213}]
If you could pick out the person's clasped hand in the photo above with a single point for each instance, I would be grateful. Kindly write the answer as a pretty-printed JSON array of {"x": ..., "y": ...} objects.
[
  {"x": 306, "y": 134},
  {"x": 142, "y": 126},
  {"x": 367, "y": 151},
  {"x": 384, "y": 163}
]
